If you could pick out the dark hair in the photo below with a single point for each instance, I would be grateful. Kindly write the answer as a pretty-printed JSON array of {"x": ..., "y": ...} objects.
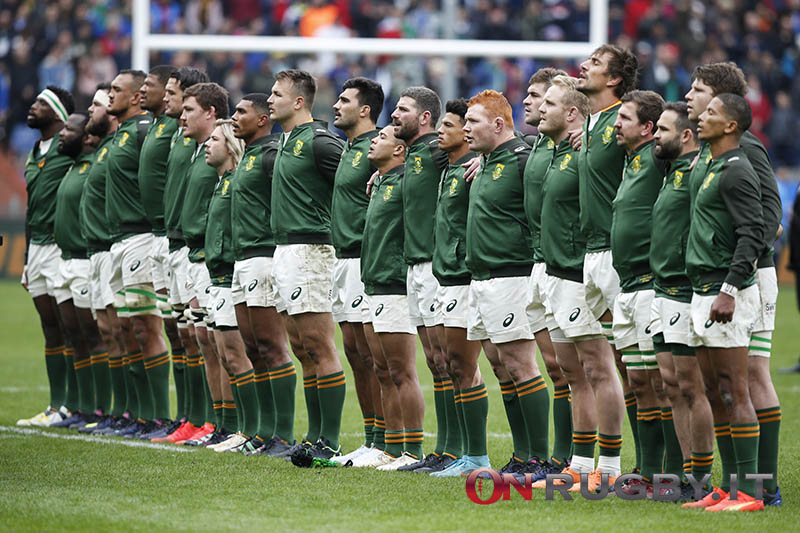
[
  {"x": 724, "y": 77},
  {"x": 457, "y": 107},
  {"x": 84, "y": 118},
  {"x": 370, "y": 93},
  {"x": 188, "y": 76},
  {"x": 649, "y": 105},
  {"x": 163, "y": 73},
  {"x": 736, "y": 108},
  {"x": 259, "y": 101},
  {"x": 303, "y": 83},
  {"x": 622, "y": 64},
  {"x": 138, "y": 75},
  {"x": 210, "y": 95},
  {"x": 681, "y": 109},
  {"x": 65, "y": 97},
  {"x": 545, "y": 75},
  {"x": 426, "y": 100}
]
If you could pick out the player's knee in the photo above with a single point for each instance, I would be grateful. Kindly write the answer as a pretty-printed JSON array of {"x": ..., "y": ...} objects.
[
  {"x": 400, "y": 376},
  {"x": 141, "y": 299}
]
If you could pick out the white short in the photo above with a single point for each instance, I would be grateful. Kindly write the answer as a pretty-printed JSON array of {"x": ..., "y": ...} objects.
[
  {"x": 767, "y": 281},
  {"x": 539, "y": 314},
  {"x": 199, "y": 284},
  {"x": 348, "y": 290},
  {"x": 366, "y": 315},
  {"x": 632, "y": 318},
  {"x": 221, "y": 310},
  {"x": 567, "y": 301},
  {"x": 735, "y": 333},
  {"x": 452, "y": 306},
  {"x": 672, "y": 319},
  {"x": 498, "y": 310},
  {"x": 41, "y": 271},
  {"x": 421, "y": 287},
  {"x": 179, "y": 283},
  {"x": 73, "y": 278},
  {"x": 159, "y": 262},
  {"x": 302, "y": 275},
  {"x": 389, "y": 313},
  {"x": 601, "y": 280},
  {"x": 100, "y": 271},
  {"x": 252, "y": 282},
  {"x": 131, "y": 261}
]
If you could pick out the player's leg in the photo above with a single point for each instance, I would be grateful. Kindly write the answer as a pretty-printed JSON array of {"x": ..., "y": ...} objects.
[
  {"x": 79, "y": 387},
  {"x": 361, "y": 365},
  {"x": 675, "y": 419},
  {"x": 310, "y": 391}
]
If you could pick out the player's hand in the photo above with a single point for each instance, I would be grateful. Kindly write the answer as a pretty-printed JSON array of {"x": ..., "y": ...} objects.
[
  {"x": 695, "y": 160},
  {"x": 780, "y": 231},
  {"x": 472, "y": 167},
  {"x": 722, "y": 308},
  {"x": 576, "y": 139},
  {"x": 371, "y": 182},
  {"x": 24, "y": 279}
]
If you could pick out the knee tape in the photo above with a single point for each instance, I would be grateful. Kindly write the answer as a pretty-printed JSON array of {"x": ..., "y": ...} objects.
[{"x": 141, "y": 300}]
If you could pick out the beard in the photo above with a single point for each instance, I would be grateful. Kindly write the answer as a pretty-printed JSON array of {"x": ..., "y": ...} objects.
[
  {"x": 668, "y": 151},
  {"x": 71, "y": 148},
  {"x": 39, "y": 123},
  {"x": 406, "y": 132},
  {"x": 99, "y": 128}
]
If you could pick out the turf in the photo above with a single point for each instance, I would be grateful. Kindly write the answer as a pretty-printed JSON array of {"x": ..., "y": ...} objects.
[{"x": 70, "y": 484}]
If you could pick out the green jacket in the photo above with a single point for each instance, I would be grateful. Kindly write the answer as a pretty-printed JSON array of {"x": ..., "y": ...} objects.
[
  {"x": 499, "y": 242},
  {"x": 153, "y": 169},
  {"x": 422, "y": 172},
  {"x": 383, "y": 270},
  {"x": 43, "y": 173},
  {"x": 68, "y": 232},
  {"x": 94, "y": 222},
  {"x": 563, "y": 242},
  {"x": 601, "y": 164},
  {"x": 726, "y": 233},
  {"x": 535, "y": 169},
  {"x": 632, "y": 217},
  {"x": 180, "y": 159},
  {"x": 218, "y": 239},
  {"x": 450, "y": 237},
  {"x": 124, "y": 209},
  {"x": 201, "y": 180},
  {"x": 251, "y": 191},
  {"x": 302, "y": 184},
  {"x": 770, "y": 195},
  {"x": 349, "y": 202}
]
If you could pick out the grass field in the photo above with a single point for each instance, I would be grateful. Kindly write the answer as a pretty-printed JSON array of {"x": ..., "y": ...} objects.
[{"x": 60, "y": 483}]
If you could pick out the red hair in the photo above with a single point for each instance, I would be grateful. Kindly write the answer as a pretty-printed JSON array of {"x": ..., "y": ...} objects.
[{"x": 495, "y": 104}]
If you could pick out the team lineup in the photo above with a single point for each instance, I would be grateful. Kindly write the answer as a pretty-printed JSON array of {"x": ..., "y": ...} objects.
[{"x": 629, "y": 240}]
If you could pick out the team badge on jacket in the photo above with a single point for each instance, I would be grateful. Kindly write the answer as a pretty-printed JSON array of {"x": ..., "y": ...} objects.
[{"x": 298, "y": 148}]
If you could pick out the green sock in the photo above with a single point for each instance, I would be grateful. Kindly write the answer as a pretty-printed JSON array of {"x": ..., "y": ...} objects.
[
  {"x": 248, "y": 396},
  {"x": 196, "y": 390},
  {"x": 56, "y": 365},
  {"x": 132, "y": 399},
  {"x": 673, "y": 456},
  {"x": 140, "y": 383},
  {"x": 157, "y": 369},
  {"x": 453, "y": 447},
  {"x": 331, "y": 392},
  {"x": 178, "y": 369},
  {"x": 208, "y": 400},
  {"x": 187, "y": 378},
  {"x": 462, "y": 423},
  {"x": 218, "y": 414},
  {"x": 72, "y": 381},
  {"x": 535, "y": 406},
  {"x": 266, "y": 406},
  {"x": 687, "y": 469},
  {"x": 369, "y": 430},
  {"x": 608, "y": 445},
  {"x": 229, "y": 416},
  {"x": 394, "y": 442},
  {"x": 726, "y": 454},
  {"x": 312, "y": 406},
  {"x": 631, "y": 409},
  {"x": 583, "y": 443},
  {"x": 412, "y": 439},
  {"x": 770, "y": 425},
  {"x": 562, "y": 426},
  {"x": 379, "y": 433},
  {"x": 519, "y": 436},
  {"x": 441, "y": 416},
  {"x": 101, "y": 381},
  {"x": 83, "y": 377},
  {"x": 117, "y": 371},
  {"x": 652, "y": 441},
  {"x": 283, "y": 380},
  {"x": 701, "y": 465},
  {"x": 237, "y": 402},
  {"x": 474, "y": 404},
  {"x": 745, "y": 446}
]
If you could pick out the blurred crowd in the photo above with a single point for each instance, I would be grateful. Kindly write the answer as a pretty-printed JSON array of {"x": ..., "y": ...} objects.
[{"x": 79, "y": 44}]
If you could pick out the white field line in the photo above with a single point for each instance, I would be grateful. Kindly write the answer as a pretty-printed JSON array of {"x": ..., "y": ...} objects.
[
  {"x": 431, "y": 435},
  {"x": 30, "y": 432}
]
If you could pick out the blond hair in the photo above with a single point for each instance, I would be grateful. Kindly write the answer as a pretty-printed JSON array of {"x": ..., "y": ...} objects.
[
  {"x": 234, "y": 145},
  {"x": 572, "y": 96}
]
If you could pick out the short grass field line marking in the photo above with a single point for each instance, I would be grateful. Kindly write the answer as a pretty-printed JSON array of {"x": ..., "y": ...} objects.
[
  {"x": 87, "y": 438},
  {"x": 431, "y": 435},
  {"x": 9, "y": 390}
]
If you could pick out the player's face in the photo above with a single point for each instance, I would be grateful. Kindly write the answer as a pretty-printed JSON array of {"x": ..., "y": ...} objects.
[
  {"x": 40, "y": 115},
  {"x": 405, "y": 119},
  {"x": 246, "y": 119},
  {"x": 282, "y": 101},
  {"x": 70, "y": 139},
  {"x": 712, "y": 122},
  {"x": 667, "y": 137},
  {"x": 552, "y": 112},
  {"x": 122, "y": 95},
  {"x": 152, "y": 93},
  {"x": 194, "y": 117},
  {"x": 628, "y": 127},
  {"x": 216, "y": 149},
  {"x": 98, "y": 118},
  {"x": 173, "y": 98},
  {"x": 698, "y": 98},
  {"x": 594, "y": 76},
  {"x": 382, "y": 146},
  {"x": 451, "y": 133},
  {"x": 346, "y": 109},
  {"x": 478, "y": 129},
  {"x": 533, "y": 102}
]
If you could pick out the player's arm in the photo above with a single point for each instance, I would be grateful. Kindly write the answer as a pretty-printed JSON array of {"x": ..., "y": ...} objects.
[
  {"x": 327, "y": 153},
  {"x": 770, "y": 195}
]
